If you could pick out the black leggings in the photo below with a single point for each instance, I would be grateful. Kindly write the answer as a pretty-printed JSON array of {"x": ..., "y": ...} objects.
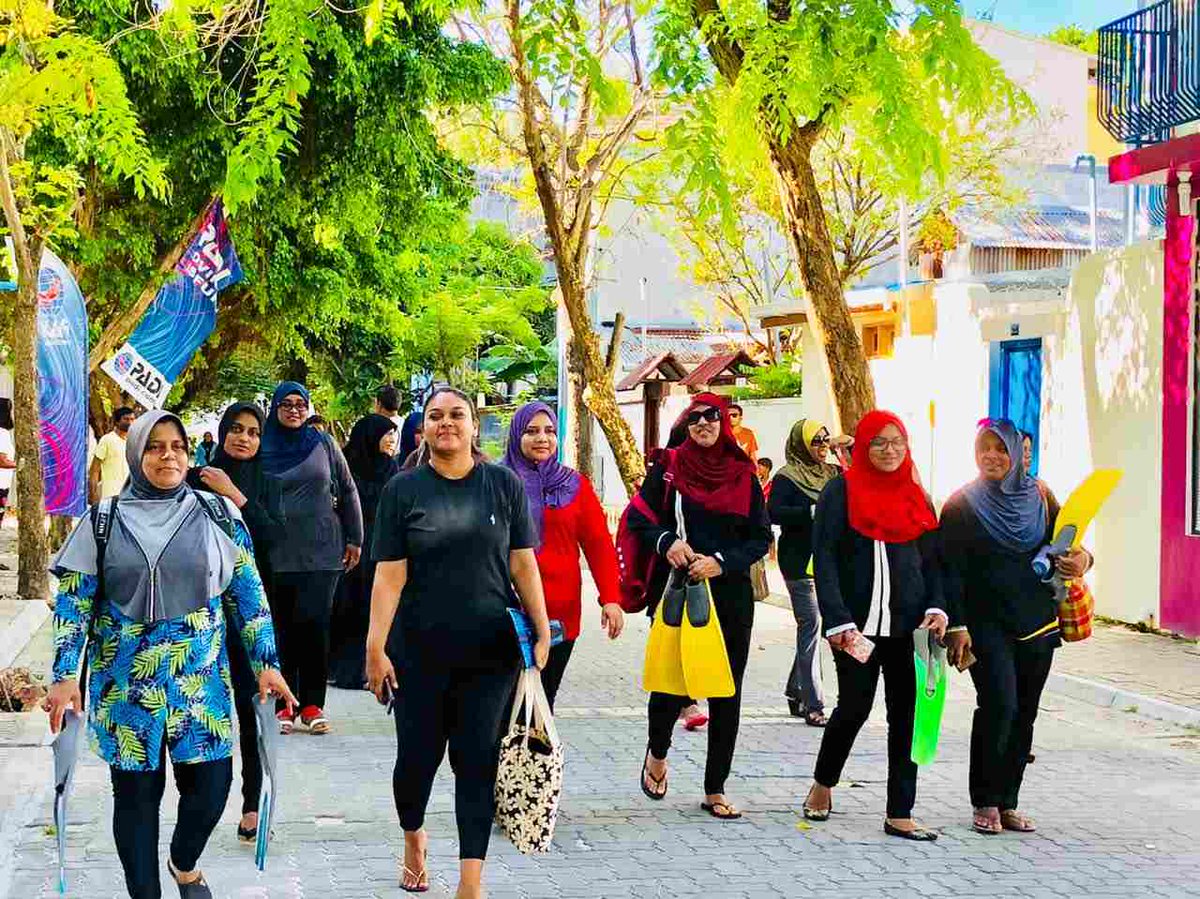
[
  {"x": 301, "y": 602},
  {"x": 245, "y": 694},
  {"x": 462, "y": 707},
  {"x": 857, "y": 682},
  {"x": 734, "y": 602},
  {"x": 1009, "y": 676},
  {"x": 556, "y": 667},
  {"x": 137, "y": 796}
]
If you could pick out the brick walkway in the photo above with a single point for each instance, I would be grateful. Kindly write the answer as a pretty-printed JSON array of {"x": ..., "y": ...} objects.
[{"x": 1115, "y": 795}]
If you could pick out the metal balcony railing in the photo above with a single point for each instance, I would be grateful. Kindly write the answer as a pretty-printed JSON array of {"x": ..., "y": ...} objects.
[{"x": 1149, "y": 71}]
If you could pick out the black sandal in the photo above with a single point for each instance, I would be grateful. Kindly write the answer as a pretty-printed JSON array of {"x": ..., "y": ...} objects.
[
  {"x": 815, "y": 718},
  {"x": 715, "y": 809},
  {"x": 197, "y": 889},
  {"x": 657, "y": 781},
  {"x": 817, "y": 814},
  {"x": 918, "y": 834},
  {"x": 247, "y": 834}
]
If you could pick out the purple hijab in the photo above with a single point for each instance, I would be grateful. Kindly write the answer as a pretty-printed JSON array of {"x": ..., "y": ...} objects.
[
  {"x": 1011, "y": 510},
  {"x": 548, "y": 485}
]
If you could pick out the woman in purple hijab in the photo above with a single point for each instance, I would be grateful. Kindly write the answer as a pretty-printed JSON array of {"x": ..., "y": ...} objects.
[{"x": 568, "y": 517}]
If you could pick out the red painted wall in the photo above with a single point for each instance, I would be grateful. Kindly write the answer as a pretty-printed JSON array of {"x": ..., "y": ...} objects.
[{"x": 1180, "y": 584}]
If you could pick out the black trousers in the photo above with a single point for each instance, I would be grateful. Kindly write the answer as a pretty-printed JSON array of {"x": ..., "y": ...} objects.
[
  {"x": 245, "y": 694},
  {"x": 556, "y": 667},
  {"x": 348, "y": 627},
  {"x": 460, "y": 707},
  {"x": 733, "y": 600},
  {"x": 1009, "y": 677},
  {"x": 301, "y": 603},
  {"x": 857, "y": 682},
  {"x": 137, "y": 796}
]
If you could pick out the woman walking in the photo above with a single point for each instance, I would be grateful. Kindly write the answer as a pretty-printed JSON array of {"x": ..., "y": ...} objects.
[
  {"x": 156, "y": 594},
  {"x": 567, "y": 517},
  {"x": 236, "y": 474},
  {"x": 1004, "y": 614},
  {"x": 877, "y": 576},
  {"x": 324, "y": 540},
  {"x": 371, "y": 455},
  {"x": 792, "y": 505},
  {"x": 725, "y": 520},
  {"x": 410, "y": 435},
  {"x": 452, "y": 538}
]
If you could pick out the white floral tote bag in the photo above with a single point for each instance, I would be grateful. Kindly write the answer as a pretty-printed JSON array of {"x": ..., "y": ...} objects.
[{"x": 529, "y": 779}]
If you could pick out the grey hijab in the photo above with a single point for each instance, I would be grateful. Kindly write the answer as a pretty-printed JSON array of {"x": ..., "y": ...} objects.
[{"x": 165, "y": 557}]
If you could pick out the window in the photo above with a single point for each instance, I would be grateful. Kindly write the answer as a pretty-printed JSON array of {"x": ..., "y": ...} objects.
[{"x": 878, "y": 340}]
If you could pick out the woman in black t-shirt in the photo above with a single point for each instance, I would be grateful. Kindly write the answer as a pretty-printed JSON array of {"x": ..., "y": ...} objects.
[
  {"x": 452, "y": 536},
  {"x": 1001, "y": 610}
]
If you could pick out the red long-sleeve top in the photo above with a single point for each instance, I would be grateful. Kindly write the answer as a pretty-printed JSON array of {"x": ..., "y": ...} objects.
[{"x": 579, "y": 524}]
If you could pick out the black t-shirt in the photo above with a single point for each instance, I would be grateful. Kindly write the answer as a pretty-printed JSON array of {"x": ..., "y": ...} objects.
[{"x": 456, "y": 536}]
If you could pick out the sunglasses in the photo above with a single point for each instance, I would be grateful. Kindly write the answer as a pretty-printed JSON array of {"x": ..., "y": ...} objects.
[
  {"x": 820, "y": 440},
  {"x": 710, "y": 414}
]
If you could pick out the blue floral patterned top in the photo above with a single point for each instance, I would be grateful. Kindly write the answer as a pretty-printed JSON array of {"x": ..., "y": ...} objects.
[{"x": 169, "y": 678}]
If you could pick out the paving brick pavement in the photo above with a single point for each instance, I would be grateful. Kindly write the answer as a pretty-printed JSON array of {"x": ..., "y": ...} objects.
[{"x": 1116, "y": 797}]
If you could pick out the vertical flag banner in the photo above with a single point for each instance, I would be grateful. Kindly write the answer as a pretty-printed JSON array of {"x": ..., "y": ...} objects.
[
  {"x": 62, "y": 363},
  {"x": 181, "y": 317}
]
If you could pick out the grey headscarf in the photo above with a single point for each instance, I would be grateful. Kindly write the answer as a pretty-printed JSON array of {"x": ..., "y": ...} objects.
[{"x": 165, "y": 556}]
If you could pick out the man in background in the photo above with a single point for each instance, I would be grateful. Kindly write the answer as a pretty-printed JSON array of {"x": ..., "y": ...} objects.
[
  {"x": 387, "y": 404},
  {"x": 109, "y": 470},
  {"x": 744, "y": 436}
]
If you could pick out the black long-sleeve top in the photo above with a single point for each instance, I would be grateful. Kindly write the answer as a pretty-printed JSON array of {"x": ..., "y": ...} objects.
[
  {"x": 262, "y": 513},
  {"x": 845, "y": 565},
  {"x": 791, "y": 509},
  {"x": 735, "y": 541},
  {"x": 988, "y": 585}
]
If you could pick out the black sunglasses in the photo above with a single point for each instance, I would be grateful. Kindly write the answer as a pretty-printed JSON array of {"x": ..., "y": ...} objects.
[{"x": 710, "y": 414}]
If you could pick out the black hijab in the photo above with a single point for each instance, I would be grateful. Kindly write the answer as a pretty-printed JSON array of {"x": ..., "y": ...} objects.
[
  {"x": 245, "y": 473},
  {"x": 367, "y": 462}
]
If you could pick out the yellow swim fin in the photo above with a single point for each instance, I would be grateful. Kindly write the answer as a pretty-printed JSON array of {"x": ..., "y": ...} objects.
[
  {"x": 706, "y": 670},
  {"x": 663, "y": 669},
  {"x": 1085, "y": 501}
]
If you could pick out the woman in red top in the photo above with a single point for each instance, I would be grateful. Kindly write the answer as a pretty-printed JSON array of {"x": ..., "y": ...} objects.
[{"x": 567, "y": 516}]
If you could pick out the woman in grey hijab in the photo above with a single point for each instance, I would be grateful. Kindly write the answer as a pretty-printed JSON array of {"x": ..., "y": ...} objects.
[{"x": 151, "y": 599}]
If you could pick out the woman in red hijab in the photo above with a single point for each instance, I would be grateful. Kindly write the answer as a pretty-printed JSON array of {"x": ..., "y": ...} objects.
[
  {"x": 878, "y": 579},
  {"x": 706, "y": 476}
]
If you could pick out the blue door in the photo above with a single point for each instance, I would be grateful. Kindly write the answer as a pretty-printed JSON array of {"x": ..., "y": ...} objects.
[{"x": 1016, "y": 386}]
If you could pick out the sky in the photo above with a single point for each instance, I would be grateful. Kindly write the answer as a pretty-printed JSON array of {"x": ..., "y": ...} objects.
[{"x": 1040, "y": 16}]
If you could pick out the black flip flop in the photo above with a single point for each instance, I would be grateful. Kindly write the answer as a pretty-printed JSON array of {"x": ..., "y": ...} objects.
[
  {"x": 247, "y": 834},
  {"x": 816, "y": 718},
  {"x": 918, "y": 834},
  {"x": 657, "y": 781},
  {"x": 730, "y": 813}
]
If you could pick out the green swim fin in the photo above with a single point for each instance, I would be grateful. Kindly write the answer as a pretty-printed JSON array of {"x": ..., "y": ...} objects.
[
  {"x": 663, "y": 669},
  {"x": 706, "y": 668},
  {"x": 929, "y": 659}
]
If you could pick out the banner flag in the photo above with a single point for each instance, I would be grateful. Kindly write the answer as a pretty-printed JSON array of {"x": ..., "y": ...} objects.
[
  {"x": 62, "y": 363},
  {"x": 181, "y": 317}
]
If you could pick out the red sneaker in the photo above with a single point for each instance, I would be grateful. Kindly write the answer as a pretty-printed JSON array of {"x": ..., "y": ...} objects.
[
  {"x": 314, "y": 719},
  {"x": 287, "y": 721}
]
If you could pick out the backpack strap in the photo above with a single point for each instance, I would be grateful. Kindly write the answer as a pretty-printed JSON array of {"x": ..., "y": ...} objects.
[
  {"x": 335, "y": 485},
  {"x": 214, "y": 506},
  {"x": 104, "y": 516}
]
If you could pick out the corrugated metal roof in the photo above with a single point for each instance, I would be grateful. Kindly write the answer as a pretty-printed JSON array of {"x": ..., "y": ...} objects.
[
  {"x": 715, "y": 365},
  {"x": 688, "y": 348},
  {"x": 1049, "y": 227},
  {"x": 664, "y": 363}
]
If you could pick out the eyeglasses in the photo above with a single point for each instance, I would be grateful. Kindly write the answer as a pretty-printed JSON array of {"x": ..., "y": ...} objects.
[
  {"x": 710, "y": 414},
  {"x": 897, "y": 443},
  {"x": 294, "y": 405},
  {"x": 820, "y": 440}
]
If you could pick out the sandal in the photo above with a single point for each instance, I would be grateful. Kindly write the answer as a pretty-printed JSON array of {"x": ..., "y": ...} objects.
[
  {"x": 918, "y": 833},
  {"x": 658, "y": 782},
  {"x": 815, "y": 718},
  {"x": 987, "y": 821},
  {"x": 1011, "y": 819},
  {"x": 197, "y": 889},
  {"x": 817, "y": 814},
  {"x": 722, "y": 811},
  {"x": 418, "y": 879}
]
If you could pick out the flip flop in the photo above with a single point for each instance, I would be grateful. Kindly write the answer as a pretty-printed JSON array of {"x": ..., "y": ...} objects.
[
  {"x": 722, "y": 811},
  {"x": 1011, "y": 819},
  {"x": 421, "y": 877},
  {"x": 816, "y": 718},
  {"x": 983, "y": 823},
  {"x": 817, "y": 814},
  {"x": 918, "y": 833},
  {"x": 657, "y": 781}
]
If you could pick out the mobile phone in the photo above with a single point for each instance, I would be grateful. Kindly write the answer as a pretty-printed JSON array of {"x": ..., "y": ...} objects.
[{"x": 859, "y": 648}]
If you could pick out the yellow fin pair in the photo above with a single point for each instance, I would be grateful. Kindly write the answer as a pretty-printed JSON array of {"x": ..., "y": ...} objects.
[{"x": 685, "y": 655}]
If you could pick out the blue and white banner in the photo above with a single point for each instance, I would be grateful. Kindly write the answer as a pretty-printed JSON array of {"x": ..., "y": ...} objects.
[{"x": 181, "y": 317}]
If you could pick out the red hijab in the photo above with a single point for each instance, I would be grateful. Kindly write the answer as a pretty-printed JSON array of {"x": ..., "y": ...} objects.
[
  {"x": 887, "y": 506},
  {"x": 719, "y": 478}
]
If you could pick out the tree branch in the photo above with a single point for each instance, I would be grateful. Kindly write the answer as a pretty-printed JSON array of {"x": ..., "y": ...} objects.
[{"x": 726, "y": 54}]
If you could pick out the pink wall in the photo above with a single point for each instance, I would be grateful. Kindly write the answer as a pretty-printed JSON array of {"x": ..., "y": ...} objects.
[{"x": 1180, "y": 586}]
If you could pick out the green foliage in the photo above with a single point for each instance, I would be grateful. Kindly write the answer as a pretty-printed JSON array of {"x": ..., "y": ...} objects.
[
  {"x": 1076, "y": 36},
  {"x": 784, "y": 379}
]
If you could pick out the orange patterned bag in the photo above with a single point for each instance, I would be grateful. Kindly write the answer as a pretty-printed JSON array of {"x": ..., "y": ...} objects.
[{"x": 1075, "y": 611}]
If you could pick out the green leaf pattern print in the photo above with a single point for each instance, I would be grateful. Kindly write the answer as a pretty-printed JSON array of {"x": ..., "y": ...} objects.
[{"x": 167, "y": 681}]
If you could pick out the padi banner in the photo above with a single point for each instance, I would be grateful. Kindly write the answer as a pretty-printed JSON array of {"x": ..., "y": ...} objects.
[
  {"x": 182, "y": 316},
  {"x": 62, "y": 363}
]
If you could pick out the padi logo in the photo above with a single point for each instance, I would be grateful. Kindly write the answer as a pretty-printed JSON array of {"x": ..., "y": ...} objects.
[
  {"x": 123, "y": 363},
  {"x": 50, "y": 291}
]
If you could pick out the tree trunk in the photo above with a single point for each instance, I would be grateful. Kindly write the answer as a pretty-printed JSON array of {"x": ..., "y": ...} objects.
[
  {"x": 60, "y": 530},
  {"x": 32, "y": 552},
  {"x": 582, "y": 431},
  {"x": 843, "y": 357}
]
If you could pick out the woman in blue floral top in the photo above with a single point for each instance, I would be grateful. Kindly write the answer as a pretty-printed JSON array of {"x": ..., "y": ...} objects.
[{"x": 154, "y": 621}]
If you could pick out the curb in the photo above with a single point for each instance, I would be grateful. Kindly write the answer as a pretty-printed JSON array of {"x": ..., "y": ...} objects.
[
  {"x": 1111, "y": 697},
  {"x": 20, "y": 631}
]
